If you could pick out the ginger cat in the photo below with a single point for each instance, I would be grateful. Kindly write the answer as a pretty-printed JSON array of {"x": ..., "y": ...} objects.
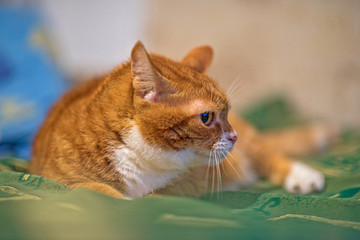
[{"x": 156, "y": 126}]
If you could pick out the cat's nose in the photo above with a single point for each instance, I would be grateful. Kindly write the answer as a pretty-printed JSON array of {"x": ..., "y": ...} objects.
[{"x": 233, "y": 136}]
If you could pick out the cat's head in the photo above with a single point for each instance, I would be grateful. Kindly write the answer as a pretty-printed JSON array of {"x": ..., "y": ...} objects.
[{"x": 177, "y": 106}]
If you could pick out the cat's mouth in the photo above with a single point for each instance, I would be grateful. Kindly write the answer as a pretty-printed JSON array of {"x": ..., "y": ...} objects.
[
  {"x": 223, "y": 147},
  {"x": 217, "y": 154},
  {"x": 225, "y": 144}
]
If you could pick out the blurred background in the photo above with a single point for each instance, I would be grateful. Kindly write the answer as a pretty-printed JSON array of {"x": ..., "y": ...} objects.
[{"x": 307, "y": 50}]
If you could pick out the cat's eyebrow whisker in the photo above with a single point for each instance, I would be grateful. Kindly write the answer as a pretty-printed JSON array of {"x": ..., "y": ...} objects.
[
  {"x": 235, "y": 91},
  {"x": 230, "y": 89},
  {"x": 239, "y": 80},
  {"x": 241, "y": 84},
  {"x": 236, "y": 83},
  {"x": 242, "y": 98}
]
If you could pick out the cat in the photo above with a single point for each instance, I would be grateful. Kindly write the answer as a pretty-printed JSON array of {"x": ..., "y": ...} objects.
[{"x": 154, "y": 126}]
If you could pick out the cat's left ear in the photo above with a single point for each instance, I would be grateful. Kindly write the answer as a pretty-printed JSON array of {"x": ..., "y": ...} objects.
[
  {"x": 199, "y": 59},
  {"x": 147, "y": 82}
]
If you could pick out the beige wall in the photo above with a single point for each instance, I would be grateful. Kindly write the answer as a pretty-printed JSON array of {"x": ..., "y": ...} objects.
[{"x": 308, "y": 49}]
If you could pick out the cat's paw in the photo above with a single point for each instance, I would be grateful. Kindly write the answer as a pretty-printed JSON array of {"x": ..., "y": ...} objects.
[{"x": 303, "y": 179}]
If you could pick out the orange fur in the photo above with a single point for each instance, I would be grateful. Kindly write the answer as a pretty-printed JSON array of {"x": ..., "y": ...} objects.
[{"x": 137, "y": 131}]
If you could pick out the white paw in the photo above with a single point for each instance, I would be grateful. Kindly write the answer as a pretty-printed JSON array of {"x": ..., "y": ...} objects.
[{"x": 303, "y": 179}]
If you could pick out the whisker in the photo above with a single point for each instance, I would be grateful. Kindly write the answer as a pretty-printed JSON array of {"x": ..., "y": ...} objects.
[
  {"x": 219, "y": 181},
  {"x": 223, "y": 152},
  {"x": 240, "y": 99},
  {"x": 240, "y": 83},
  {"x": 213, "y": 178},
  {"x": 207, "y": 171},
  {"x": 232, "y": 166},
  {"x": 217, "y": 173},
  {"x": 236, "y": 85}
]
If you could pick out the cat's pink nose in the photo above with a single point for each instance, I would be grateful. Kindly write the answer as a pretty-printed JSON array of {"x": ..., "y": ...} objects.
[{"x": 233, "y": 137}]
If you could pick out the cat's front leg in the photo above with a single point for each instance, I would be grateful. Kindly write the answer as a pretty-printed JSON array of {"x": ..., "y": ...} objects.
[
  {"x": 270, "y": 161},
  {"x": 294, "y": 176},
  {"x": 98, "y": 187}
]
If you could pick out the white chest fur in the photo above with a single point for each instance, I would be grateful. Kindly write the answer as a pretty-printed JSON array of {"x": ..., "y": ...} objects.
[{"x": 145, "y": 168}]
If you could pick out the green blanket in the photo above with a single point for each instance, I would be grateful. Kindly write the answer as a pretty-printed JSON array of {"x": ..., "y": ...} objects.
[{"x": 33, "y": 207}]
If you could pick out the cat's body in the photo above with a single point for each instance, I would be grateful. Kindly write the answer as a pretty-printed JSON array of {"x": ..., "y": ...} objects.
[{"x": 153, "y": 126}]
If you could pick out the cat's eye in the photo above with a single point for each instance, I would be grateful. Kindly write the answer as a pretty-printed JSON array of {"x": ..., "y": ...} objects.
[{"x": 207, "y": 117}]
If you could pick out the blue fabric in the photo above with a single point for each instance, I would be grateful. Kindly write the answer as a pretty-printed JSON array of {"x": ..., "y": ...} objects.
[{"x": 29, "y": 82}]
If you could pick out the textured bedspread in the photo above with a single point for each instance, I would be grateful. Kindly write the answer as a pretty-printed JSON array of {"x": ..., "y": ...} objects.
[{"x": 33, "y": 207}]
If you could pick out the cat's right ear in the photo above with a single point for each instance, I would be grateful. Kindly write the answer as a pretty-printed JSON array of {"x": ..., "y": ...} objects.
[
  {"x": 199, "y": 59},
  {"x": 147, "y": 82}
]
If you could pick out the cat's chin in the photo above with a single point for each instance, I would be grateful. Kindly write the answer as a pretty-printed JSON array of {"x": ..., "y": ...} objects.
[{"x": 200, "y": 158}]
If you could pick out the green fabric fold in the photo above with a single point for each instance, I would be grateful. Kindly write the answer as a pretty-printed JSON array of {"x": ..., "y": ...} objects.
[{"x": 33, "y": 207}]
